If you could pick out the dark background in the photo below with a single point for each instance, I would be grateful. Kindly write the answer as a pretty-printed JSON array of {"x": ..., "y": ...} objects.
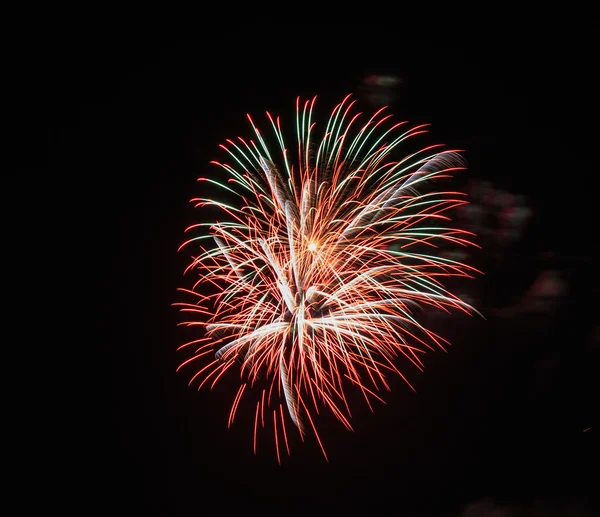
[{"x": 127, "y": 122}]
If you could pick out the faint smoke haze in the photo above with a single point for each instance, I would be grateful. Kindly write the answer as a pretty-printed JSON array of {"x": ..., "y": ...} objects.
[{"x": 539, "y": 508}]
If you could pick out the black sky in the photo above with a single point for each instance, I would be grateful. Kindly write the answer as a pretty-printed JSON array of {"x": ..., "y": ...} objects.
[{"x": 127, "y": 123}]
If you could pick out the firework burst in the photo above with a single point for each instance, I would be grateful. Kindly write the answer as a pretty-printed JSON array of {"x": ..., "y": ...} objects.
[{"x": 311, "y": 283}]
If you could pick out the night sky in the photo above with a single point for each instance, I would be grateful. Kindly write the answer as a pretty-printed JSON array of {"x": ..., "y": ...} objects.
[{"x": 127, "y": 123}]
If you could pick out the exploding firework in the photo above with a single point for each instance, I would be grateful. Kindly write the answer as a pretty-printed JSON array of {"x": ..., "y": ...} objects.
[{"x": 311, "y": 284}]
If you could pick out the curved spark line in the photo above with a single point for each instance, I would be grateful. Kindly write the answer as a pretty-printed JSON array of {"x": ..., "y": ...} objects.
[{"x": 318, "y": 270}]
